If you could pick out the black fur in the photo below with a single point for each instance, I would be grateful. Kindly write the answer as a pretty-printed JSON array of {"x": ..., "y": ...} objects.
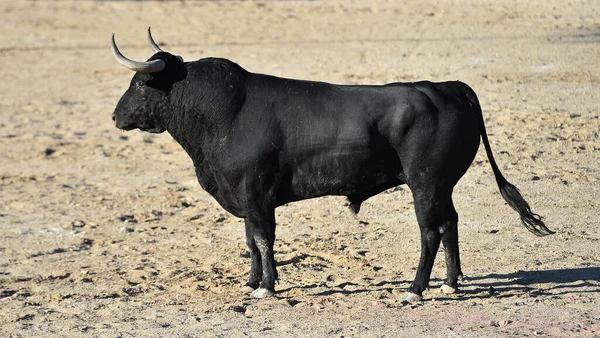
[
  {"x": 533, "y": 222},
  {"x": 259, "y": 141}
]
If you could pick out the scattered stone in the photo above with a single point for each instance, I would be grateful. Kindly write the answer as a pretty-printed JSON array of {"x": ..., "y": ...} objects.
[
  {"x": 196, "y": 217},
  {"x": 362, "y": 252},
  {"x": 504, "y": 322},
  {"x": 7, "y": 293},
  {"x": 29, "y": 316},
  {"x": 397, "y": 292},
  {"x": 132, "y": 292},
  {"x": 51, "y": 252},
  {"x": 49, "y": 151},
  {"x": 78, "y": 223},
  {"x": 200, "y": 317},
  {"x": 127, "y": 229},
  {"x": 108, "y": 296},
  {"x": 56, "y": 277},
  {"x": 238, "y": 308},
  {"x": 85, "y": 244},
  {"x": 23, "y": 293},
  {"x": 293, "y": 302},
  {"x": 127, "y": 219}
]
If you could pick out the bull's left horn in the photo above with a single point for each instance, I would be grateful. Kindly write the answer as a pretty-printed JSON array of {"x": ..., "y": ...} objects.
[
  {"x": 153, "y": 44},
  {"x": 144, "y": 67}
]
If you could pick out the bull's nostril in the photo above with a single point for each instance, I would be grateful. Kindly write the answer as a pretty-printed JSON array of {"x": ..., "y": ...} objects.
[{"x": 114, "y": 119}]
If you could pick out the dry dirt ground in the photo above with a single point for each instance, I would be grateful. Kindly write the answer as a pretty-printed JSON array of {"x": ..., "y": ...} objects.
[{"x": 108, "y": 234}]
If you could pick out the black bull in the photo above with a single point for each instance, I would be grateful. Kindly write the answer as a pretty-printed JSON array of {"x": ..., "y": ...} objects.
[{"x": 259, "y": 141}]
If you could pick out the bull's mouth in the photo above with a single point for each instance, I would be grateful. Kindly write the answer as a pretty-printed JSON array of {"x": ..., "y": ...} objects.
[
  {"x": 132, "y": 126},
  {"x": 125, "y": 126}
]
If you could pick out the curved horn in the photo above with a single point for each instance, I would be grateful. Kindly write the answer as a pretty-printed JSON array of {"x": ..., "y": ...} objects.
[
  {"x": 155, "y": 47},
  {"x": 144, "y": 67},
  {"x": 153, "y": 44}
]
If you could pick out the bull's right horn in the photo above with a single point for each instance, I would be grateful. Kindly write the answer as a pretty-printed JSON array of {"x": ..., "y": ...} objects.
[
  {"x": 144, "y": 67},
  {"x": 155, "y": 47}
]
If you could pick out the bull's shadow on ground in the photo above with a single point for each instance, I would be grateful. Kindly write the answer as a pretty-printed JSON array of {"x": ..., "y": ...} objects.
[
  {"x": 539, "y": 282},
  {"x": 533, "y": 283}
]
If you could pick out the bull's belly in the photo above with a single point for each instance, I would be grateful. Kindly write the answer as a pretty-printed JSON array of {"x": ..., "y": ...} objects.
[{"x": 343, "y": 177}]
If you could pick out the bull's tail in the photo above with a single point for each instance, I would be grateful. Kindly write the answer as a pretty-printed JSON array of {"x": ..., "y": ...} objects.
[{"x": 532, "y": 221}]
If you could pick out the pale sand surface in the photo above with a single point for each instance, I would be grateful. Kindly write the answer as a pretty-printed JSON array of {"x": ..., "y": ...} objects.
[{"x": 108, "y": 234}]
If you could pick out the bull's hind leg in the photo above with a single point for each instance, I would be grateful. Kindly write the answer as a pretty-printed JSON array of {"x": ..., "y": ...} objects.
[
  {"x": 450, "y": 242},
  {"x": 433, "y": 209}
]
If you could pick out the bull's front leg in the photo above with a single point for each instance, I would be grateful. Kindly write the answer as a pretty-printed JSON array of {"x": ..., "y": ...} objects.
[
  {"x": 256, "y": 261},
  {"x": 260, "y": 238}
]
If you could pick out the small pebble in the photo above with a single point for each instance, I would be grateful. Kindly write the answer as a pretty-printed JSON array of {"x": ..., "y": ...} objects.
[
  {"x": 238, "y": 308},
  {"x": 504, "y": 322},
  {"x": 127, "y": 229},
  {"x": 78, "y": 223}
]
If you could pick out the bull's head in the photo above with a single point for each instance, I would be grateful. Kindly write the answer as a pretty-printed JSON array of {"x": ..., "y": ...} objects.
[{"x": 146, "y": 103}]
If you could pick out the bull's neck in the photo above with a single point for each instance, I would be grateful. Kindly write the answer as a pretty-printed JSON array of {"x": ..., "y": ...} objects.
[
  {"x": 196, "y": 130},
  {"x": 187, "y": 129},
  {"x": 204, "y": 105}
]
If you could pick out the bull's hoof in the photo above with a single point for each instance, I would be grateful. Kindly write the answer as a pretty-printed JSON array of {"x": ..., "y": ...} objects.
[
  {"x": 246, "y": 289},
  {"x": 411, "y": 297},
  {"x": 448, "y": 289},
  {"x": 261, "y": 293}
]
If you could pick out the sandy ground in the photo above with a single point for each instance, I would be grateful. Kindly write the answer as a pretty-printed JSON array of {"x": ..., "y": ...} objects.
[{"x": 108, "y": 234}]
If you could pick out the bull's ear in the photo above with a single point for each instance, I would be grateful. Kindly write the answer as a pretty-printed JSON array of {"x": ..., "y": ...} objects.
[{"x": 174, "y": 71}]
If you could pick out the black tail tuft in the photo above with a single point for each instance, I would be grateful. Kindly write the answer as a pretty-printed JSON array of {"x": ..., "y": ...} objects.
[{"x": 533, "y": 222}]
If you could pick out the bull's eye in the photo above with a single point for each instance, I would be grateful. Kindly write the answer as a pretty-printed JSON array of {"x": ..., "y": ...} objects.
[{"x": 140, "y": 84}]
